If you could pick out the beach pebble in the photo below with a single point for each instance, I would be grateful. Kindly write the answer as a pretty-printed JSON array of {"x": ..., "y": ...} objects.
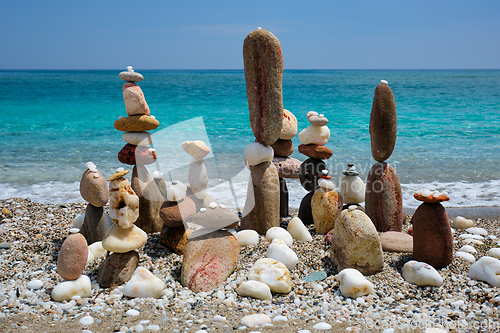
[
  {"x": 461, "y": 223},
  {"x": 209, "y": 260},
  {"x": 421, "y": 274},
  {"x": 137, "y": 155},
  {"x": 486, "y": 269},
  {"x": 356, "y": 243},
  {"x": 150, "y": 200},
  {"x": 93, "y": 187},
  {"x": 123, "y": 203},
  {"x": 123, "y": 240},
  {"x": 322, "y": 326},
  {"x": 298, "y": 230},
  {"x": 383, "y": 123},
  {"x": 394, "y": 241},
  {"x": 494, "y": 252},
  {"x": 470, "y": 236},
  {"x": 138, "y": 123},
  {"x": 96, "y": 251},
  {"x": 117, "y": 269},
  {"x": 255, "y": 320},
  {"x": 263, "y": 64},
  {"x": 73, "y": 256},
  {"x": 176, "y": 191},
  {"x": 352, "y": 187},
  {"x": 198, "y": 178},
  {"x": 135, "y": 102},
  {"x": 132, "y": 313},
  {"x": 247, "y": 237},
  {"x": 477, "y": 231},
  {"x": 138, "y": 138},
  {"x": 174, "y": 214},
  {"x": 78, "y": 221},
  {"x": 35, "y": 284},
  {"x": 254, "y": 289},
  {"x": 289, "y": 126},
  {"x": 282, "y": 148},
  {"x": 143, "y": 284},
  {"x": 65, "y": 290},
  {"x": 468, "y": 249},
  {"x": 326, "y": 205},
  {"x": 86, "y": 320},
  {"x": 131, "y": 76},
  {"x": 280, "y": 251},
  {"x": 273, "y": 273},
  {"x": 353, "y": 284},
  {"x": 316, "y": 151},
  {"x": 325, "y": 184},
  {"x": 279, "y": 233},
  {"x": 318, "y": 135},
  {"x": 219, "y": 318},
  {"x": 256, "y": 153},
  {"x": 279, "y": 318},
  {"x": 287, "y": 167},
  {"x": 466, "y": 256},
  {"x": 196, "y": 149}
]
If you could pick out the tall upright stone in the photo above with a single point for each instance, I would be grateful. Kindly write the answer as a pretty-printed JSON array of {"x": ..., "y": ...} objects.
[
  {"x": 263, "y": 62},
  {"x": 150, "y": 200}
]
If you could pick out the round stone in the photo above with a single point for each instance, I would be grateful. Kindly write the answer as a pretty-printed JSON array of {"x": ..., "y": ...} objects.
[
  {"x": 310, "y": 170},
  {"x": 133, "y": 155},
  {"x": 72, "y": 257}
]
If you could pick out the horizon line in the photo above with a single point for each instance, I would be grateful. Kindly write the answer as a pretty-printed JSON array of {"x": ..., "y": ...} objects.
[{"x": 241, "y": 69}]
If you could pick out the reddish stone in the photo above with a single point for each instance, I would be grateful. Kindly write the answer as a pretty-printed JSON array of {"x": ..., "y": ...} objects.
[
  {"x": 316, "y": 151},
  {"x": 174, "y": 214},
  {"x": 209, "y": 260},
  {"x": 72, "y": 258},
  {"x": 135, "y": 103},
  {"x": 287, "y": 167},
  {"x": 283, "y": 148},
  {"x": 131, "y": 155},
  {"x": 263, "y": 63},
  {"x": 432, "y": 238},
  {"x": 174, "y": 238},
  {"x": 328, "y": 236},
  {"x": 383, "y": 123},
  {"x": 394, "y": 241},
  {"x": 383, "y": 198},
  {"x": 431, "y": 198}
]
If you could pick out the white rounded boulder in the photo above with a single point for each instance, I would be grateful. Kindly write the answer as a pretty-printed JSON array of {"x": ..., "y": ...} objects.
[
  {"x": 421, "y": 274},
  {"x": 353, "y": 284}
]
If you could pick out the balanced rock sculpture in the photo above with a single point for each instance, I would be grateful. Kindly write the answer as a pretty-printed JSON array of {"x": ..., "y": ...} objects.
[
  {"x": 263, "y": 63},
  {"x": 384, "y": 201}
]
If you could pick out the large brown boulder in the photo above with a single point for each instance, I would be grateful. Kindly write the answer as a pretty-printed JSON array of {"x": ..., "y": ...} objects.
[
  {"x": 93, "y": 188},
  {"x": 432, "y": 238},
  {"x": 262, "y": 207},
  {"x": 174, "y": 214},
  {"x": 150, "y": 200},
  {"x": 383, "y": 198},
  {"x": 209, "y": 260},
  {"x": 263, "y": 64},
  {"x": 383, "y": 123}
]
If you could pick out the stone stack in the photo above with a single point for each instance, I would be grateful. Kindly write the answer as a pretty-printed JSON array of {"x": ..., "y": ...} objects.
[
  {"x": 137, "y": 151},
  {"x": 263, "y": 63},
  {"x": 197, "y": 175},
  {"x": 432, "y": 238},
  {"x": 283, "y": 148},
  {"x": 313, "y": 140},
  {"x": 94, "y": 190},
  {"x": 384, "y": 201},
  {"x": 352, "y": 187},
  {"x": 175, "y": 212},
  {"x": 123, "y": 237}
]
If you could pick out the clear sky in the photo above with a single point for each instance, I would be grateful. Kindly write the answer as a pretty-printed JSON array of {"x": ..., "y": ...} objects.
[{"x": 183, "y": 34}]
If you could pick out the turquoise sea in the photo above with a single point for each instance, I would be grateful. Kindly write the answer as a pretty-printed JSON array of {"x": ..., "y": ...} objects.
[{"x": 53, "y": 122}]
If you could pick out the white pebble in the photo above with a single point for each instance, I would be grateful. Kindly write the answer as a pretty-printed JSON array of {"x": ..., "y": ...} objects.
[
  {"x": 213, "y": 205},
  {"x": 35, "y": 284},
  {"x": 477, "y": 231},
  {"x": 132, "y": 312},
  {"x": 466, "y": 256},
  {"x": 298, "y": 230},
  {"x": 279, "y": 233},
  {"x": 219, "y": 318},
  {"x": 153, "y": 327},
  {"x": 494, "y": 252},
  {"x": 461, "y": 223},
  {"x": 89, "y": 165},
  {"x": 384, "y": 81},
  {"x": 158, "y": 174},
  {"x": 203, "y": 209},
  {"x": 280, "y": 318},
  {"x": 486, "y": 269},
  {"x": 353, "y": 284},
  {"x": 421, "y": 274},
  {"x": 468, "y": 249},
  {"x": 255, "y": 320},
  {"x": 87, "y": 320},
  {"x": 120, "y": 169},
  {"x": 322, "y": 326},
  {"x": 74, "y": 230}
]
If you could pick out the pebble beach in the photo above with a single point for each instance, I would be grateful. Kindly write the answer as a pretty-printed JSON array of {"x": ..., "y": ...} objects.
[{"x": 32, "y": 234}]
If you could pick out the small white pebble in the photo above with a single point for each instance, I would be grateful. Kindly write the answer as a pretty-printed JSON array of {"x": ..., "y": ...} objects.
[
  {"x": 322, "y": 326},
  {"x": 121, "y": 117},
  {"x": 120, "y": 169},
  {"x": 213, "y": 205},
  {"x": 280, "y": 318},
  {"x": 89, "y": 165},
  {"x": 203, "y": 209},
  {"x": 468, "y": 248},
  {"x": 153, "y": 117},
  {"x": 384, "y": 81},
  {"x": 35, "y": 284},
  {"x": 74, "y": 230},
  {"x": 218, "y": 318},
  {"x": 130, "y": 68},
  {"x": 86, "y": 331},
  {"x": 132, "y": 312},
  {"x": 96, "y": 175},
  {"x": 153, "y": 327},
  {"x": 222, "y": 206},
  {"x": 151, "y": 150},
  {"x": 158, "y": 174},
  {"x": 87, "y": 320}
]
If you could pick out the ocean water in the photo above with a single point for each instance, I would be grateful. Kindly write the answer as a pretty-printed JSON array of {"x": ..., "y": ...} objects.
[{"x": 53, "y": 122}]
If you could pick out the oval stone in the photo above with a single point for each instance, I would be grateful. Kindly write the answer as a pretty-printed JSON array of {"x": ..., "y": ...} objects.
[
  {"x": 174, "y": 214},
  {"x": 133, "y": 155},
  {"x": 383, "y": 123},
  {"x": 326, "y": 207},
  {"x": 287, "y": 167},
  {"x": 131, "y": 76},
  {"x": 383, "y": 198},
  {"x": 136, "y": 123},
  {"x": 150, "y": 200},
  {"x": 289, "y": 127},
  {"x": 263, "y": 63},
  {"x": 72, "y": 257},
  {"x": 135, "y": 102},
  {"x": 316, "y": 151},
  {"x": 432, "y": 238},
  {"x": 310, "y": 170},
  {"x": 283, "y": 148},
  {"x": 93, "y": 188},
  {"x": 138, "y": 138}
]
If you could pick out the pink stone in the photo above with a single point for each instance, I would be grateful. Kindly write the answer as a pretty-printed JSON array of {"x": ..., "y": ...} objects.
[
  {"x": 72, "y": 257},
  {"x": 135, "y": 103}
]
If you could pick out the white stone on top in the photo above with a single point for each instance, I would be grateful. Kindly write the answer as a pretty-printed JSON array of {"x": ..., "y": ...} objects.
[
  {"x": 176, "y": 191},
  {"x": 256, "y": 153},
  {"x": 65, "y": 290}
]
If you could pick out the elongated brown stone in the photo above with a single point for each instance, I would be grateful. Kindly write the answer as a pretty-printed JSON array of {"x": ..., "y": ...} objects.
[
  {"x": 263, "y": 63},
  {"x": 432, "y": 238},
  {"x": 383, "y": 198},
  {"x": 383, "y": 123},
  {"x": 150, "y": 200},
  {"x": 262, "y": 207},
  {"x": 94, "y": 225}
]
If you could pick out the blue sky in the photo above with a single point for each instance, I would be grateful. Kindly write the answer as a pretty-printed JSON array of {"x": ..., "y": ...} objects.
[{"x": 346, "y": 34}]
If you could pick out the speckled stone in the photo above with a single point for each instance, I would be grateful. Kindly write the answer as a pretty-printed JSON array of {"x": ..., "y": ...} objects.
[
  {"x": 136, "y": 123},
  {"x": 263, "y": 64},
  {"x": 131, "y": 155},
  {"x": 72, "y": 258},
  {"x": 326, "y": 207},
  {"x": 174, "y": 238},
  {"x": 94, "y": 189},
  {"x": 383, "y": 123},
  {"x": 287, "y": 167}
]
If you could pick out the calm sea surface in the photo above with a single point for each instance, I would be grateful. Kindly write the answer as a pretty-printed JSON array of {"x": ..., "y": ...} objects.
[{"x": 53, "y": 122}]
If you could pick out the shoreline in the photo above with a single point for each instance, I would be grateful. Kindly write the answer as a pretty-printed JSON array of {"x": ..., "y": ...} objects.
[{"x": 35, "y": 232}]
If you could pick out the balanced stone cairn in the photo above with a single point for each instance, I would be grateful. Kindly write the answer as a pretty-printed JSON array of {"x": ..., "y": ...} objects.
[
  {"x": 287, "y": 166},
  {"x": 432, "y": 238},
  {"x": 263, "y": 63},
  {"x": 137, "y": 151},
  {"x": 352, "y": 187},
  {"x": 384, "y": 201},
  {"x": 327, "y": 204}
]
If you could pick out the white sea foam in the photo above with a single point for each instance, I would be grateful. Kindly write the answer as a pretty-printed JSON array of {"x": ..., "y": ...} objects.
[{"x": 462, "y": 194}]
